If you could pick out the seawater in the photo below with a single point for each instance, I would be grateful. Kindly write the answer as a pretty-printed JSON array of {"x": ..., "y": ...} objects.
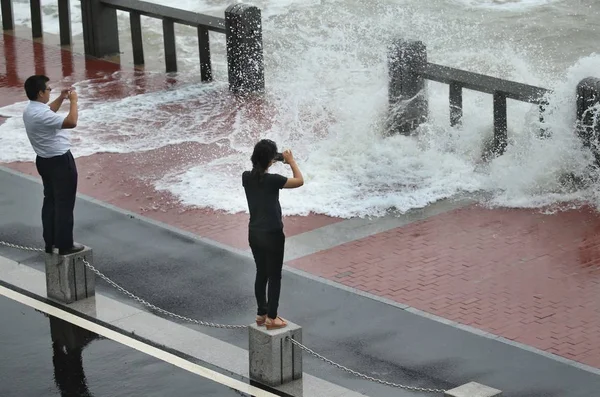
[{"x": 326, "y": 78}]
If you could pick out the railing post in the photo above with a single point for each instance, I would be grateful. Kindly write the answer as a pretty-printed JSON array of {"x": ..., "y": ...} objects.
[
  {"x": 170, "y": 45},
  {"x": 36, "y": 18},
  {"x": 244, "y": 49},
  {"x": 204, "y": 49},
  {"x": 456, "y": 102},
  {"x": 8, "y": 16},
  {"x": 500, "y": 124},
  {"x": 68, "y": 279},
  {"x": 588, "y": 114},
  {"x": 407, "y": 61},
  {"x": 100, "y": 29},
  {"x": 543, "y": 131},
  {"x": 137, "y": 43},
  {"x": 473, "y": 389},
  {"x": 273, "y": 360},
  {"x": 64, "y": 20}
]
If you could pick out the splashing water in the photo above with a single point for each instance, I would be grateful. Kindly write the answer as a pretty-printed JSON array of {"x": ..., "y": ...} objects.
[{"x": 326, "y": 77}]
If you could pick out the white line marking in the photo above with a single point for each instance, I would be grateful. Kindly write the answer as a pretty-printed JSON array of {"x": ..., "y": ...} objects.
[{"x": 135, "y": 344}]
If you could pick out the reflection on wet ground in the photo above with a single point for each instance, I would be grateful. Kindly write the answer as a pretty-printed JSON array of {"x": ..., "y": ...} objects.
[{"x": 41, "y": 355}]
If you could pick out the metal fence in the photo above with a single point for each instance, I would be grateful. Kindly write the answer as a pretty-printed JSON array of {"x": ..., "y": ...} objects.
[
  {"x": 241, "y": 26},
  {"x": 409, "y": 69}
]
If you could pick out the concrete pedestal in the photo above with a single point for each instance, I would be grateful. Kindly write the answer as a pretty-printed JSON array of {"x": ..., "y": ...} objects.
[
  {"x": 473, "y": 389},
  {"x": 68, "y": 279},
  {"x": 273, "y": 359}
]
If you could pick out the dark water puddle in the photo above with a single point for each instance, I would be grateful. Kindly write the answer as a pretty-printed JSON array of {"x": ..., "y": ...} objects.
[{"x": 41, "y": 355}]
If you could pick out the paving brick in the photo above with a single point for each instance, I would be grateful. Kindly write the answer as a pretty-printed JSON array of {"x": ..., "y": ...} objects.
[{"x": 498, "y": 270}]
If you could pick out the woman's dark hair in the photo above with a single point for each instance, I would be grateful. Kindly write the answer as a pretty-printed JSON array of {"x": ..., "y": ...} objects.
[{"x": 264, "y": 151}]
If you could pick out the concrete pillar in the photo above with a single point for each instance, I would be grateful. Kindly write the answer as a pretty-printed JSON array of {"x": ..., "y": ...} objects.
[
  {"x": 588, "y": 106},
  {"x": 407, "y": 61},
  {"x": 473, "y": 389},
  {"x": 68, "y": 279},
  {"x": 100, "y": 29},
  {"x": 8, "y": 17},
  {"x": 243, "y": 34},
  {"x": 273, "y": 359}
]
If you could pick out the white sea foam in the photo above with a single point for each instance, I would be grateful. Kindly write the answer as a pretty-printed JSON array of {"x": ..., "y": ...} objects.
[
  {"x": 513, "y": 5},
  {"x": 327, "y": 100}
]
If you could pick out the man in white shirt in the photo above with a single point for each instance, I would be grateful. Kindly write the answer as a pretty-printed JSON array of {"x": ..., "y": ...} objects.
[{"x": 48, "y": 135}]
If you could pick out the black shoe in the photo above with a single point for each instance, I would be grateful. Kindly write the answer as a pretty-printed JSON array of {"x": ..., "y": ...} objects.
[
  {"x": 74, "y": 249},
  {"x": 49, "y": 249}
]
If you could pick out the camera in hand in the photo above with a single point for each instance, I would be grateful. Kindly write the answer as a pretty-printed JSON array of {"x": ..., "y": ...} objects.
[{"x": 278, "y": 157}]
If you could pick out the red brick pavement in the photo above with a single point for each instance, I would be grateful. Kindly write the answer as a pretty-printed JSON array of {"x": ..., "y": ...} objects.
[{"x": 528, "y": 277}]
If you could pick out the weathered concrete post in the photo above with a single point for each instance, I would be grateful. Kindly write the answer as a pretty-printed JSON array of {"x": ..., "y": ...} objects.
[
  {"x": 243, "y": 34},
  {"x": 588, "y": 114},
  {"x": 100, "y": 29},
  {"x": 8, "y": 16},
  {"x": 407, "y": 61},
  {"x": 473, "y": 389},
  {"x": 273, "y": 359},
  {"x": 68, "y": 279}
]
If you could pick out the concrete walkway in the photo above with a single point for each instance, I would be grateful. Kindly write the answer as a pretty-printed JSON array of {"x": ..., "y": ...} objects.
[{"x": 194, "y": 278}]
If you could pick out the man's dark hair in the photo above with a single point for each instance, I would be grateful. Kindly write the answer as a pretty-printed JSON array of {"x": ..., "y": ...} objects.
[{"x": 35, "y": 84}]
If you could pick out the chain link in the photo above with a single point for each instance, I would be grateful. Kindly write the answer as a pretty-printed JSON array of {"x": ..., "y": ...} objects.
[
  {"x": 363, "y": 376},
  {"x": 20, "y": 247},
  {"x": 225, "y": 326},
  {"x": 156, "y": 308},
  {"x": 134, "y": 297}
]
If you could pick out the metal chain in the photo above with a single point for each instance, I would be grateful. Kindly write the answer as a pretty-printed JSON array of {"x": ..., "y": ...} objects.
[
  {"x": 363, "y": 376},
  {"x": 158, "y": 309},
  {"x": 140, "y": 300},
  {"x": 225, "y": 326},
  {"x": 20, "y": 247}
]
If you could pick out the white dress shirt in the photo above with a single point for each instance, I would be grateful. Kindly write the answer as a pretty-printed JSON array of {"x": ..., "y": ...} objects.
[{"x": 44, "y": 130}]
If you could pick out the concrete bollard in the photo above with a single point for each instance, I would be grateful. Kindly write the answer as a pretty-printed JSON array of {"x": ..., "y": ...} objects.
[
  {"x": 473, "y": 389},
  {"x": 243, "y": 35},
  {"x": 68, "y": 279},
  {"x": 588, "y": 96},
  {"x": 407, "y": 61},
  {"x": 100, "y": 29},
  {"x": 8, "y": 16},
  {"x": 273, "y": 359}
]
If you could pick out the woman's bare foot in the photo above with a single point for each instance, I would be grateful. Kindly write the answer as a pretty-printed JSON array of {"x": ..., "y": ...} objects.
[
  {"x": 276, "y": 323},
  {"x": 260, "y": 320}
]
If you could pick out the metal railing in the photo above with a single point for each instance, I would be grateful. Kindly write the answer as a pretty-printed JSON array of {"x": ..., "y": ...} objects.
[
  {"x": 169, "y": 16},
  {"x": 241, "y": 25},
  {"x": 501, "y": 90},
  {"x": 409, "y": 69},
  {"x": 35, "y": 6}
]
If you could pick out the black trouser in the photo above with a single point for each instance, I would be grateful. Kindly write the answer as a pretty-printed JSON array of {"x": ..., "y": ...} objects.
[
  {"x": 59, "y": 175},
  {"x": 267, "y": 249}
]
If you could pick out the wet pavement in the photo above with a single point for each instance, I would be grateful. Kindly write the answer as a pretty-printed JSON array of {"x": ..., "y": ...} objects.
[
  {"x": 531, "y": 278},
  {"x": 196, "y": 279},
  {"x": 42, "y": 355}
]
